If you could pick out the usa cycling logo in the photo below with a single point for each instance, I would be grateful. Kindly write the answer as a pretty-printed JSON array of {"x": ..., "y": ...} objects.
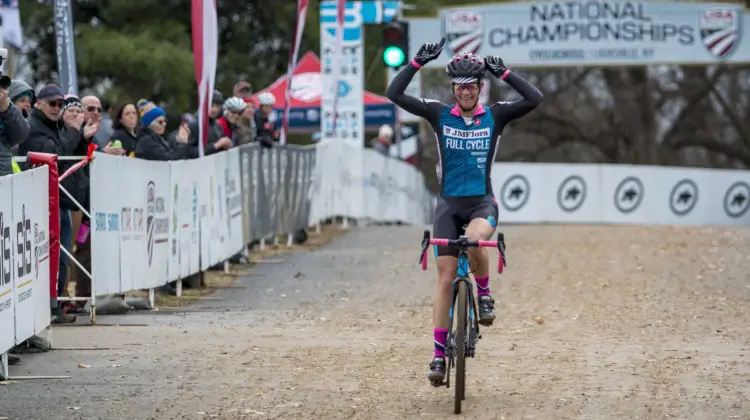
[
  {"x": 150, "y": 219},
  {"x": 720, "y": 31},
  {"x": 464, "y": 31}
]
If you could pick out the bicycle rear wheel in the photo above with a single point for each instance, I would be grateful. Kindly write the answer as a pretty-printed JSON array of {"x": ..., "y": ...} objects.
[{"x": 462, "y": 303}]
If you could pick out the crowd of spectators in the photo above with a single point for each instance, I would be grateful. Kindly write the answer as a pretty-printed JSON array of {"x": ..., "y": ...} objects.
[{"x": 51, "y": 121}]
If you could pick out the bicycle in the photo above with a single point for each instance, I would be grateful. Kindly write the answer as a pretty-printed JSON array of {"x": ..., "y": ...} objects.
[{"x": 466, "y": 332}]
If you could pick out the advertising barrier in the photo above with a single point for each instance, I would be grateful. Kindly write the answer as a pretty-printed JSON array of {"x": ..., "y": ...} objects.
[
  {"x": 621, "y": 194},
  {"x": 363, "y": 184},
  {"x": 174, "y": 219},
  {"x": 24, "y": 256}
]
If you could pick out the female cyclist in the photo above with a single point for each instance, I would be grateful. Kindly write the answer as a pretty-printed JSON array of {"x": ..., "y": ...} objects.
[{"x": 467, "y": 137}]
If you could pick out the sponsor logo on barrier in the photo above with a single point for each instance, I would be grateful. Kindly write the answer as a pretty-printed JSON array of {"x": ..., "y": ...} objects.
[
  {"x": 41, "y": 247},
  {"x": 6, "y": 273},
  {"x": 157, "y": 220},
  {"x": 113, "y": 222},
  {"x": 571, "y": 194},
  {"x": 683, "y": 198},
  {"x": 464, "y": 31},
  {"x": 720, "y": 31},
  {"x": 150, "y": 219},
  {"x": 629, "y": 195},
  {"x": 105, "y": 222},
  {"x": 175, "y": 217},
  {"x": 234, "y": 197},
  {"x": 23, "y": 245},
  {"x": 737, "y": 200},
  {"x": 515, "y": 193},
  {"x": 126, "y": 215}
]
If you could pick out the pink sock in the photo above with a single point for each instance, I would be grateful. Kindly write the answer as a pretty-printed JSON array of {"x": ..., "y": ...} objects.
[
  {"x": 483, "y": 285},
  {"x": 441, "y": 335}
]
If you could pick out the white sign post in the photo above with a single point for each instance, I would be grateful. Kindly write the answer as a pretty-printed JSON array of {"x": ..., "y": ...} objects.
[{"x": 350, "y": 119}]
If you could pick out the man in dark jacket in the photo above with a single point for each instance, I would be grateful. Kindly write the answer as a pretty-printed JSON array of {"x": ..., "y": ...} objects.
[
  {"x": 13, "y": 131},
  {"x": 47, "y": 134}
]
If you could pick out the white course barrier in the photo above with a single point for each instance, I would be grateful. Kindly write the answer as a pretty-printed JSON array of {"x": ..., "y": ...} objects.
[
  {"x": 363, "y": 184},
  {"x": 628, "y": 194},
  {"x": 24, "y": 257},
  {"x": 156, "y": 222}
]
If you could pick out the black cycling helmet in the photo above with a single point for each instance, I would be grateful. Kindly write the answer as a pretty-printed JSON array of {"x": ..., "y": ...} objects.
[{"x": 465, "y": 68}]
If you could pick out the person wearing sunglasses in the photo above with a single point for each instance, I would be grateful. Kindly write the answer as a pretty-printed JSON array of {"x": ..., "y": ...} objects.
[
  {"x": 48, "y": 133},
  {"x": 153, "y": 142},
  {"x": 468, "y": 136}
]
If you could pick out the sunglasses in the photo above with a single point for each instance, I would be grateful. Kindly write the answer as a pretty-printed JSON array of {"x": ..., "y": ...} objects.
[
  {"x": 161, "y": 122},
  {"x": 56, "y": 104},
  {"x": 93, "y": 108},
  {"x": 469, "y": 86}
]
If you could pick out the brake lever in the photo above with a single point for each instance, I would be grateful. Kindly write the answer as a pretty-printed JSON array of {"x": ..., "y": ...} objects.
[
  {"x": 425, "y": 245},
  {"x": 501, "y": 247}
]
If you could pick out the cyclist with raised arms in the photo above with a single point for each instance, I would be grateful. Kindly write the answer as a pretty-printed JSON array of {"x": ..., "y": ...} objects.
[{"x": 467, "y": 135}]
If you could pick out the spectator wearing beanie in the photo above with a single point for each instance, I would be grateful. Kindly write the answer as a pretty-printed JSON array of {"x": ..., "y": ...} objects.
[
  {"x": 22, "y": 96},
  {"x": 152, "y": 142}
]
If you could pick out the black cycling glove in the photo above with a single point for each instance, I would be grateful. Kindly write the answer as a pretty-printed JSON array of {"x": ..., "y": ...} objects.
[
  {"x": 429, "y": 52},
  {"x": 495, "y": 65}
]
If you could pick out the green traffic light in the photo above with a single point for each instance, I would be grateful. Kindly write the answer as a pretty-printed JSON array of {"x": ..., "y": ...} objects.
[{"x": 394, "y": 56}]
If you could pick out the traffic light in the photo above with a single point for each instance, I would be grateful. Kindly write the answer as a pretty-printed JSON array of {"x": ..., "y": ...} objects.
[{"x": 395, "y": 44}]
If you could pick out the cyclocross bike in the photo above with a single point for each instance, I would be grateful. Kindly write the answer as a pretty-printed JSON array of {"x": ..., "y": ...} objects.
[{"x": 465, "y": 334}]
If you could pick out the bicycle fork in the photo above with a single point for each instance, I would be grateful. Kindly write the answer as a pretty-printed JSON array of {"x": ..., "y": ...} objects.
[{"x": 472, "y": 325}]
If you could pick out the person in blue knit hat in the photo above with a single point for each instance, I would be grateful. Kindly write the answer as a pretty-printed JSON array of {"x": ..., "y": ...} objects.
[
  {"x": 152, "y": 142},
  {"x": 149, "y": 112}
]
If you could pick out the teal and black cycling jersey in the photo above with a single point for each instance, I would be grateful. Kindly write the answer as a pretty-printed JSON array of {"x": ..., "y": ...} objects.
[{"x": 466, "y": 146}]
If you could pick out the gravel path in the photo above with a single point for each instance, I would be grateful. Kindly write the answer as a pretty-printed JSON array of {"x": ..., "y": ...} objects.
[{"x": 636, "y": 323}]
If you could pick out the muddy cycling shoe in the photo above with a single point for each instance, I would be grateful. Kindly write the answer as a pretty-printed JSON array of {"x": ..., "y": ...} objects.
[
  {"x": 437, "y": 371},
  {"x": 486, "y": 310}
]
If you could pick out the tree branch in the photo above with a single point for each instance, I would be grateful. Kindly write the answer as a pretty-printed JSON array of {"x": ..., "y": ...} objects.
[
  {"x": 733, "y": 118},
  {"x": 693, "y": 102},
  {"x": 575, "y": 83}
]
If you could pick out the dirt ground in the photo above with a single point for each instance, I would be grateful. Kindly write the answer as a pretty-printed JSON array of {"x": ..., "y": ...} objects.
[{"x": 636, "y": 323}]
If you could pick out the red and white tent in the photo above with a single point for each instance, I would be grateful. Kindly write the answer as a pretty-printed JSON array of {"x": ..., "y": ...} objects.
[{"x": 306, "y": 98}]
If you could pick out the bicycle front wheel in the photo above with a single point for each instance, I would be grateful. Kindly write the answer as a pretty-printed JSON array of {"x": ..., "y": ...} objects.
[{"x": 462, "y": 303}]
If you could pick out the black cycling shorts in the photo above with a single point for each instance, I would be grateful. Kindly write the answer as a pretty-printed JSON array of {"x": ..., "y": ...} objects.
[{"x": 453, "y": 214}]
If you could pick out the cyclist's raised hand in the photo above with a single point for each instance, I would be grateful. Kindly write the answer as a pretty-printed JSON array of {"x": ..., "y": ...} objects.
[
  {"x": 495, "y": 65},
  {"x": 429, "y": 52}
]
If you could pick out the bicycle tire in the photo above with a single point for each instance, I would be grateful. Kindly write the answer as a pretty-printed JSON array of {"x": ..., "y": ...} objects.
[{"x": 460, "y": 336}]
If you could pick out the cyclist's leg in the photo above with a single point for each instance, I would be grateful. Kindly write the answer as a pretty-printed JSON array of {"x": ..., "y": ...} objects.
[
  {"x": 447, "y": 264},
  {"x": 483, "y": 222}
]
